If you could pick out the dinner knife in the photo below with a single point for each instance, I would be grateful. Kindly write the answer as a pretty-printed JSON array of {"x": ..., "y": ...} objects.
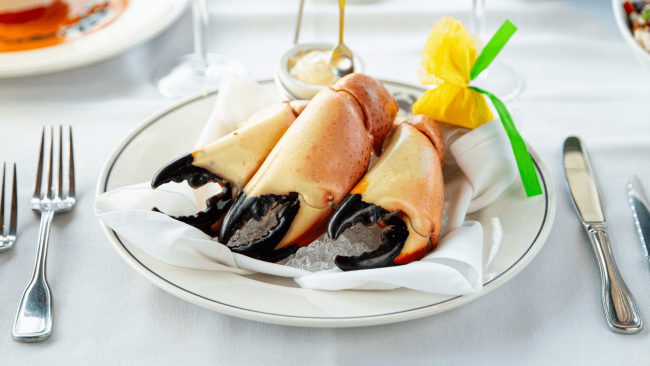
[
  {"x": 621, "y": 312},
  {"x": 640, "y": 213}
]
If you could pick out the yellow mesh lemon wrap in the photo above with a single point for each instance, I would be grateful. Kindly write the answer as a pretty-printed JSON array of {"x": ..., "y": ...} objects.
[
  {"x": 455, "y": 105},
  {"x": 447, "y": 60}
]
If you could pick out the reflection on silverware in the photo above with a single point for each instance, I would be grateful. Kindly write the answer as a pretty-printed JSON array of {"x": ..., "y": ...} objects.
[
  {"x": 8, "y": 239},
  {"x": 34, "y": 317},
  {"x": 640, "y": 213},
  {"x": 620, "y": 309}
]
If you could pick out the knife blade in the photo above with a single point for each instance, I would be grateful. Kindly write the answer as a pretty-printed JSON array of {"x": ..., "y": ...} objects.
[
  {"x": 621, "y": 312},
  {"x": 640, "y": 213}
]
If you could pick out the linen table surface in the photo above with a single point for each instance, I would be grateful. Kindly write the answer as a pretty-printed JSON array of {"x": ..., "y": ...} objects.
[{"x": 581, "y": 78}]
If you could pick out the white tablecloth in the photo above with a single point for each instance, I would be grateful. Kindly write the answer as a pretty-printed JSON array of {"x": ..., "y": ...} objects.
[{"x": 580, "y": 78}]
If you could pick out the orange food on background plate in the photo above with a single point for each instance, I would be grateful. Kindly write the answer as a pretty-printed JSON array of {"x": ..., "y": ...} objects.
[{"x": 32, "y": 24}]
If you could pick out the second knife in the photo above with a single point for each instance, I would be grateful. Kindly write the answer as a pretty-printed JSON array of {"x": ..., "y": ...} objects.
[{"x": 640, "y": 213}]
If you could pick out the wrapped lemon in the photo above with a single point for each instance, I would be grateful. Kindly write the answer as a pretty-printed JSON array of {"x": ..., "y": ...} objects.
[
  {"x": 451, "y": 59},
  {"x": 447, "y": 60}
]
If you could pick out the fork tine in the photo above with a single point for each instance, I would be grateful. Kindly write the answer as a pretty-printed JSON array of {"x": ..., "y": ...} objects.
[
  {"x": 71, "y": 188},
  {"x": 2, "y": 201},
  {"x": 59, "y": 186},
  {"x": 39, "y": 169},
  {"x": 13, "y": 220},
  {"x": 49, "y": 168}
]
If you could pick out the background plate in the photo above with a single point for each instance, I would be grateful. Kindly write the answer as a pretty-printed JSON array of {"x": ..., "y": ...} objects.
[
  {"x": 142, "y": 20},
  {"x": 172, "y": 132}
]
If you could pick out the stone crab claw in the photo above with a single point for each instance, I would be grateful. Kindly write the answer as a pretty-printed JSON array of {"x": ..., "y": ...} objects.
[
  {"x": 311, "y": 170},
  {"x": 229, "y": 161},
  {"x": 403, "y": 192}
]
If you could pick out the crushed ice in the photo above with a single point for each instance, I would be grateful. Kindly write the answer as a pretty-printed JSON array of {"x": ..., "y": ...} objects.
[
  {"x": 319, "y": 255},
  {"x": 445, "y": 212},
  {"x": 254, "y": 229}
]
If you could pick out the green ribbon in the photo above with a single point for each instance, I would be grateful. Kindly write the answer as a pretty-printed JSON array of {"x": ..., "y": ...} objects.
[{"x": 522, "y": 157}]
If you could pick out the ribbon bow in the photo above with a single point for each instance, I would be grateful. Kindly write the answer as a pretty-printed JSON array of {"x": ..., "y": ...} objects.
[{"x": 449, "y": 60}]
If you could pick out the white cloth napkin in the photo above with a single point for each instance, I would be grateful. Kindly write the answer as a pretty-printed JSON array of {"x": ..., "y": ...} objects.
[
  {"x": 242, "y": 98},
  {"x": 487, "y": 160},
  {"x": 454, "y": 268}
]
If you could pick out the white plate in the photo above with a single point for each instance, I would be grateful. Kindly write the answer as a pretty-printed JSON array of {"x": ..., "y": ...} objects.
[
  {"x": 172, "y": 132},
  {"x": 141, "y": 21}
]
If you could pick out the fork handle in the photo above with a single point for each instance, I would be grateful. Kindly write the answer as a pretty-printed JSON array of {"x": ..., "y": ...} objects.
[
  {"x": 34, "y": 318},
  {"x": 621, "y": 312}
]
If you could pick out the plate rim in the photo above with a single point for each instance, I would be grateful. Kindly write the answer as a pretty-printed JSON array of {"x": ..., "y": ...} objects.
[
  {"x": 305, "y": 321},
  {"x": 75, "y": 61}
]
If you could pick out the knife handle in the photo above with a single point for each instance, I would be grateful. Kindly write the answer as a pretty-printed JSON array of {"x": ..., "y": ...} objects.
[{"x": 621, "y": 312}]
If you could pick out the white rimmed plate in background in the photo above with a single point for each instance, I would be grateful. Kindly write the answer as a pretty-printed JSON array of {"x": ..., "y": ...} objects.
[{"x": 141, "y": 21}]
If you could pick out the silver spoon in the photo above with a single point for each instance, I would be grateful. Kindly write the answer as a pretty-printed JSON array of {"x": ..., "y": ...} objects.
[{"x": 342, "y": 61}]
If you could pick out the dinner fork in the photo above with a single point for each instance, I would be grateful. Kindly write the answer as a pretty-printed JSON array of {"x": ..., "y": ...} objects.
[
  {"x": 34, "y": 318},
  {"x": 7, "y": 240}
]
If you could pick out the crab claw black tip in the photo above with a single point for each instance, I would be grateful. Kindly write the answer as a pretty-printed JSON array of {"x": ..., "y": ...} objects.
[
  {"x": 245, "y": 209},
  {"x": 353, "y": 211},
  {"x": 392, "y": 243},
  {"x": 182, "y": 169},
  {"x": 209, "y": 220}
]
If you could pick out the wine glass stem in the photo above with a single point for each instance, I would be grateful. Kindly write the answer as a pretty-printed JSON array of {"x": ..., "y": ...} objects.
[
  {"x": 200, "y": 20},
  {"x": 477, "y": 22}
]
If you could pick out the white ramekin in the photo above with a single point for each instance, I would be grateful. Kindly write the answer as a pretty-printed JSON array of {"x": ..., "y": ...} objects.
[{"x": 293, "y": 89}]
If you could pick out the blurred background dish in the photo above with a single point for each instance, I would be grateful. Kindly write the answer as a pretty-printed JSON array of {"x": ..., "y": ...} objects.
[
  {"x": 623, "y": 24},
  {"x": 31, "y": 24},
  {"x": 41, "y": 36}
]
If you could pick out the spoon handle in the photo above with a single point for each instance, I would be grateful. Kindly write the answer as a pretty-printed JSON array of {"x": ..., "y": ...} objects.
[
  {"x": 295, "y": 38},
  {"x": 342, "y": 21}
]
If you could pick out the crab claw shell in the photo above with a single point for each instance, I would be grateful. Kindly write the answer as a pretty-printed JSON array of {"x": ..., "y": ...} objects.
[
  {"x": 407, "y": 178},
  {"x": 209, "y": 220},
  {"x": 258, "y": 208},
  {"x": 392, "y": 243},
  {"x": 379, "y": 105},
  {"x": 321, "y": 157},
  {"x": 237, "y": 156},
  {"x": 354, "y": 211},
  {"x": 231, "y": 160},
  {"x": 182, "y": 169},
  {"x": 297, "y": 106},
  {"x": 430, "y": 129}
]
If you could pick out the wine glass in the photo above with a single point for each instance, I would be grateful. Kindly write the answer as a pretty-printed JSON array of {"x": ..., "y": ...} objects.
[
  {"x": 499, "y": 79},
  {"x": 199, "y": 71}
]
